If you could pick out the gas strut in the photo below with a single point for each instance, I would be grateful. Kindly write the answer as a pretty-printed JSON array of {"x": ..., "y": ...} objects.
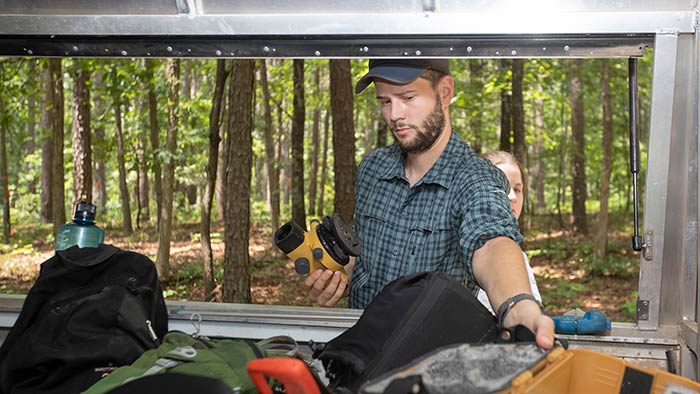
[{"x": 634, "y": 147}]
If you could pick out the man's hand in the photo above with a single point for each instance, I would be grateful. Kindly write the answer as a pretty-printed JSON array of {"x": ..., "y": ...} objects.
[
  {"x": 326, "y": 287},
  {"x": 544, "y": 332},
  {"x": 528, "y": 313}
]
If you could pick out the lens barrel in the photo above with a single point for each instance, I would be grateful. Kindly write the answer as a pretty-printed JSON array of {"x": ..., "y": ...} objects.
[{"x": 289, "y": 237}]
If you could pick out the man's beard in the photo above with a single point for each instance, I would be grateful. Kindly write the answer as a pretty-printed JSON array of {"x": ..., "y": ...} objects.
[{"x": 426, "y": 135}]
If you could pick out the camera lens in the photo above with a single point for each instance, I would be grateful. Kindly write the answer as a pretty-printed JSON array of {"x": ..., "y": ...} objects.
[{"x": 289, "y": 237}]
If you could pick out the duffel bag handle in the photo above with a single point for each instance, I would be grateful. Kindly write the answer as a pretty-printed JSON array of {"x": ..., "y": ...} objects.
[{"x": 282, "y": 346}]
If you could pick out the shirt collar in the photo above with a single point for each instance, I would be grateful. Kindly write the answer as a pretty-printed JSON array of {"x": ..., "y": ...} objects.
[
  {"x": 394, "y": 166},
  {"x": 438, "y": 173}
]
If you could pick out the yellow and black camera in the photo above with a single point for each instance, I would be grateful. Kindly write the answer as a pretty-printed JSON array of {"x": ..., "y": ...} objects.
[{"x": 327, "y": 245}]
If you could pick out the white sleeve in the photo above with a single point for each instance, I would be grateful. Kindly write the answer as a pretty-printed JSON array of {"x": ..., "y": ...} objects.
[{"x": 533, "y": 285}]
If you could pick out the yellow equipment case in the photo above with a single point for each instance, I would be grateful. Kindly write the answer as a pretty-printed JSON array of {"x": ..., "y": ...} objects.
[{"x": 579, "y": 371}]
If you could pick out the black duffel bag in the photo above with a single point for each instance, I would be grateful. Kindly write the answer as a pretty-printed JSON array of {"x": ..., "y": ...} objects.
[
  {"x": 410, "y": 317},
  {"x": 90, "y": 311}
]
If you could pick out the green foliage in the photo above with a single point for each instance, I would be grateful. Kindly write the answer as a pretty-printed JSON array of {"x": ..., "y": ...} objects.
[
  {"x": 563, "y": 289},
  {"x": 631, "y": 306},
  {"x": 27, "y": 239},
  {"x": 613, "y": 264},
  {"x": 259, "y": 212}
]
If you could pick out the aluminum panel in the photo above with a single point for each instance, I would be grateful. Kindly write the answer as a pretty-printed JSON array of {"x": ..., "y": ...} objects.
[
  {"x": 658, "y": 164},
  {"x": 164, "y": 7},
  {"x": 677, "y": 233},
  {"x": 349, "y": 24}
]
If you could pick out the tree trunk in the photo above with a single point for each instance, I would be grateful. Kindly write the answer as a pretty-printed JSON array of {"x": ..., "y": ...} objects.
[
  {"x": 343, "y": 138},
  {"x": 99, "y": 185},
  {"x": 298, "y": 211},
  {"x": 578, "y": 186},
  {"x": 143, "y": 213},
  {"x": 283, "y": 155},
  {"x": 236, "y": 287},
  {"x": 561, "y": 188},
  {"x": 123, "y": 188},
  {"x": 82, "y": 140},
  {"x": 273, "y": 174},
  {"x": 260, "y": 190},
  {"x": 31, "y": 119},
  {"x": 315, "y": 131},
  {"x": 58, "y": 197},
  {"x": 46, "y": 144},
  {"x": 518, "y": 112},
  {"x": 537, "y": 167},
  {"x": 476, "y": 87},
  {"x": 506, "y": 110},
  {"x": 212, "y": 164},
  {"x": 154, "y": 137},
  {"x": 324, "y": 164},
  {"x": 172, "y": 75},
  {"x": 602, "y": 230},
  {"x": 220, "y": 189},
  {"x": 4, "y": 129}
]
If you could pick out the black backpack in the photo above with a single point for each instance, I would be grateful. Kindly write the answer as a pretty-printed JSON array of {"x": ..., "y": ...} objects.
[
  {"x": 410, "y": 317},
  {"x": 91, "y": 310}
]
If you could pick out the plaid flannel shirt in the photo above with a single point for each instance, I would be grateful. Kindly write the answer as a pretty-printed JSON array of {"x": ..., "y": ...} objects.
[{"x": 436, "y": 225}]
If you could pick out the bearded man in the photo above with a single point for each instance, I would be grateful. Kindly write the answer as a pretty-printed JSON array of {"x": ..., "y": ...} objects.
[{"x": 429, "y": 203}]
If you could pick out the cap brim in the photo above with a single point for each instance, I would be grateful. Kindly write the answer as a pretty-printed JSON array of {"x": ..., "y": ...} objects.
[{"x": 389, "y": 73}]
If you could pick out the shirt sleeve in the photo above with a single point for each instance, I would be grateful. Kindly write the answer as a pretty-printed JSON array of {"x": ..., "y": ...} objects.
[{"x": 485, "y": 213}]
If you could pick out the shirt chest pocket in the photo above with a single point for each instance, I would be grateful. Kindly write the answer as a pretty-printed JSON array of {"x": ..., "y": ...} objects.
[
  {"x": 433, "y": 246},
  {"x": 375, "y": 233}
]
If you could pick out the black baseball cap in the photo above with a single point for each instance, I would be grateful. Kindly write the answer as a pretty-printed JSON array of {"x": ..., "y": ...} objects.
[{"x": 399, "y": 70}]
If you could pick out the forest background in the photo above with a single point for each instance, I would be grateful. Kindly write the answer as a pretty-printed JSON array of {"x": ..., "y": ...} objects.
[{"x": 196, "y": 162}]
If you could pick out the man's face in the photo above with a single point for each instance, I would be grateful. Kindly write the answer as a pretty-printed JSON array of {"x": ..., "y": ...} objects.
[{"x": 413, "y": 112}]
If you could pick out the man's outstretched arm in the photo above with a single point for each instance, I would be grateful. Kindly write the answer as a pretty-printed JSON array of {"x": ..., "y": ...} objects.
[{"x": 499, "y": 269}]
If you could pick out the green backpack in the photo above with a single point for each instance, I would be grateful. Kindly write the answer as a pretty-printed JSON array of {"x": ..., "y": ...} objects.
[{"x": 223, "y": 359}]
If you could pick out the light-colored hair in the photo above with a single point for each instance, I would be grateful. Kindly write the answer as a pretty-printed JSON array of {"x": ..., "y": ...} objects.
[{"x": 498, "y": 157}]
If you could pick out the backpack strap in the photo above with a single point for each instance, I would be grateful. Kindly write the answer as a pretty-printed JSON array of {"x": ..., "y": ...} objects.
[{"x": 164, "y": 363}]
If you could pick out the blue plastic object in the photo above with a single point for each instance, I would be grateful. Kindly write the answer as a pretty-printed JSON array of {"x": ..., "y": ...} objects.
[
  {"x": 82, "y": 231},
  {"x": 592, "y": 322}
]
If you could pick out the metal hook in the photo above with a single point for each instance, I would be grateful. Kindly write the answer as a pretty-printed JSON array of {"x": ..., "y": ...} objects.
[{"x": 196, "y": 323}]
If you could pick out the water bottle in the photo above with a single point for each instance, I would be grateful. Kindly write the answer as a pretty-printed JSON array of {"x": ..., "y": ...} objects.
[{"x": 82, "y": 231}]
